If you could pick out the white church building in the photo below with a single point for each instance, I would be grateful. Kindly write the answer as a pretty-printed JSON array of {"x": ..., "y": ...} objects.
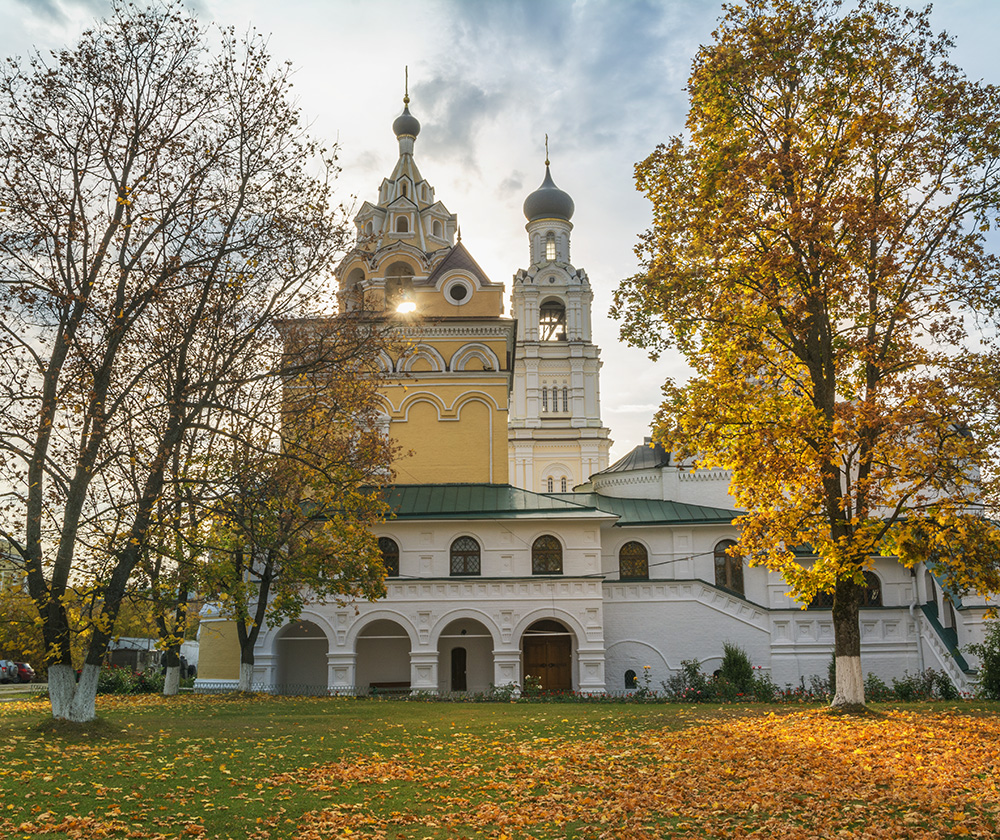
[{"x": 515, "y": 548}]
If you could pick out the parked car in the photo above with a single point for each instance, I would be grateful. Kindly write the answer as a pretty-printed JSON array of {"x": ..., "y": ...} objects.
[
  {"x": 25, "y": 673},
  {"x": 8, "y": 671}
]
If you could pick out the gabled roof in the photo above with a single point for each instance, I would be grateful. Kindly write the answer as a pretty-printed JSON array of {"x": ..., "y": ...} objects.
[
  {"x": 479, "y": 501},
  {"x": 647, "y": 456},
  {"x": 459, "y": 259},
  {"x": 654, "y": 511}
]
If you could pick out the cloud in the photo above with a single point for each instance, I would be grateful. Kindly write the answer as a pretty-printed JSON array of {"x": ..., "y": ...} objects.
[
  {"x": 632, "y": 409},
  {"x": 59, "y": 11},
  {"x": 597, "y": 75},
  {"x": 512, "y": 185},
  {"x": 458, "y": 109}
]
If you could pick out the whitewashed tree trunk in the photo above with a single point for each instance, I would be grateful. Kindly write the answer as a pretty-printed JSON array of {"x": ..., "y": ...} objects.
[
  {"x": 171, "y": 680},
  {"x": 246, "y": 676},
  {"x": 71, "y": 700},
  {"x": 850, "y": 690}
]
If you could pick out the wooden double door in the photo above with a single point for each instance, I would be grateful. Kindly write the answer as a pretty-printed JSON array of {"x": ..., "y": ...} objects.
[{"x": 548, "y": 655}]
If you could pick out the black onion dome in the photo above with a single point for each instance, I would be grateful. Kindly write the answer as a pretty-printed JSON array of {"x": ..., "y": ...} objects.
[
  {"x": 406, "y": 124},
  {"x": 548, "y": 201}
]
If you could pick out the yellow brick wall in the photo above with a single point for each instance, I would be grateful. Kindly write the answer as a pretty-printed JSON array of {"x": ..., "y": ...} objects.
[{"x": 218, "y": 650}]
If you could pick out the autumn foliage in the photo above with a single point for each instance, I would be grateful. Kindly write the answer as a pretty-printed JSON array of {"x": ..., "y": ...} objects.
[
  {"x": 818, "y": 253},
  {"x": 311, "y": 769}
]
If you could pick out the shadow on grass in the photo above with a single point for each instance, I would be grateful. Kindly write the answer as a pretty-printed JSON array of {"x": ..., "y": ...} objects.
[
  {"x": 854, "y": 710},
  {"x": 99, "y": 729}
]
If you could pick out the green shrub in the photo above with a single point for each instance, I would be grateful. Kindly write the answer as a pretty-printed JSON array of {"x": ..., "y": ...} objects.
[
  {"x": 689, "y": 685},
  {"x": 737, "y": 669},
  {"x": 117, "y": 680},
  {"x": 944, "y": 688},
  {"x": 876, "y": 690},
  {"x": 765, "y": 689},
  {"x": 989, "y": 661}
]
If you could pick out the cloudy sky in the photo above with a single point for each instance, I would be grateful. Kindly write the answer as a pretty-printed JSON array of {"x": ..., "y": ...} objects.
[{"x": 488, "y": 79}]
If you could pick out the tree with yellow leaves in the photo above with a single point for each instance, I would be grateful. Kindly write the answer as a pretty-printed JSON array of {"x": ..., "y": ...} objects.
[
  {"x": 291, "y": 519},
  {"x": 818, "y": 254}
]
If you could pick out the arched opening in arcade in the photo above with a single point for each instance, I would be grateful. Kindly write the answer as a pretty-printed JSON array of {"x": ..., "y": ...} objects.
[
  {"x": 383, "y": 658},
  {"x": 465, "y": 657},
  {"x": 547, "y": 655},
  {"x": 301, "y": 648}
]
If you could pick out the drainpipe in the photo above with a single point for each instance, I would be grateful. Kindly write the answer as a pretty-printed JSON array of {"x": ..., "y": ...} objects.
[{"x": 916, "y": 623}]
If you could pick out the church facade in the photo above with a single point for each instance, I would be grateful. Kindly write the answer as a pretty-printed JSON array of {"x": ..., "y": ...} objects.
[{"x": 515, "y": 548}]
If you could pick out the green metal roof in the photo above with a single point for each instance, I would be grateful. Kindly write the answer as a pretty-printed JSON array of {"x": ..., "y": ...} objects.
[
  {"x": 654, "y": 511},
  {"x": 479, "y": 501}
]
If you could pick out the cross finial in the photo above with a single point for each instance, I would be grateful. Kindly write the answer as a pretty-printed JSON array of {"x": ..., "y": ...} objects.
[
  {"x": 406, "y": 85},
  {"x": 546, "y": 149}
]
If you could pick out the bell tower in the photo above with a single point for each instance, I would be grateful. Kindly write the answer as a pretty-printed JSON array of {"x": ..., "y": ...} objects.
[{"x": 556, "y": 439}]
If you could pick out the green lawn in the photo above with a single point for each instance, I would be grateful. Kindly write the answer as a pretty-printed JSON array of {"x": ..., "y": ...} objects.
[{"x": 319, "y": 768}]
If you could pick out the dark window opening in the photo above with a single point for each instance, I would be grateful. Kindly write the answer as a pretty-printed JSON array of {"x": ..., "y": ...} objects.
[
  {"x": 465, "y": 556},
  {"x": 552, "y": 322},
  {"x": 546, "y": 556},
  {"x": 390, "y": 556},
  {"x": 872, "y": 596},
  {"x": 633, "y": 562},
  {"x": 728, "y": 569}
]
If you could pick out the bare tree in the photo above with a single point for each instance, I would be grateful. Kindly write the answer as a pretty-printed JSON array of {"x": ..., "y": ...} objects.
[{"x": 162, "y": 206}]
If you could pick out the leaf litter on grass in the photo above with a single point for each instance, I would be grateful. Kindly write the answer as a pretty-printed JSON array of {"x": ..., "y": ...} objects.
[{"x": 408, "y": 771}]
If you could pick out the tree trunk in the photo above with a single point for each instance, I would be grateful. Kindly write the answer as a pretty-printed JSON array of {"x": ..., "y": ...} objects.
[
  {"x": 246, "y": 674},
  {"x": 171, "y": 680},
  {"x": 850, "y": 689},
  {"x": 71, "y": 700},
  {"x": 172, "y": 668}
]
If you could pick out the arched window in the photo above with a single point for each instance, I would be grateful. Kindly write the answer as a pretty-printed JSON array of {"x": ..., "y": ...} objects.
[
  {"x": 873, "y": 591},
  {"x": 402, "y": 224},
  {"x": 631, "y": 680},
  {"x": 465, "y": 557},
  {"x": 562, "y": 484},
  {"x": 565, "y": 398},
  {"x": 545, "y": 398},
  {"x": 549, "y": 484},
  {"x": 728, "y": 569},
  {"x": 555, "y": 398},
  {"x": 552, "y": 322},
  {"x": 633, "y": 562},
  {"x": 390, "y": 556},
  {"x": 368, "y": 229},
  {"x": 546, "y": 556},
  {"x": 355, "y": 296},
  {"x": 550, "y": 246},
  {"x": 872, "y": 596},
  {"x": 398, "y": 281},
  {"x": 437, "y": 228},
  {"x": 405, "y": 192}
]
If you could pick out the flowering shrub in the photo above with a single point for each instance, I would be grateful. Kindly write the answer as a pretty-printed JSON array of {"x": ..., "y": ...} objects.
[{"x": 117, "y": 680}]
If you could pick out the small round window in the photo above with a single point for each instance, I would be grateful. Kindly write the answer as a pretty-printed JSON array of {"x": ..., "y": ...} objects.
[{"x": 458, "y": 292}]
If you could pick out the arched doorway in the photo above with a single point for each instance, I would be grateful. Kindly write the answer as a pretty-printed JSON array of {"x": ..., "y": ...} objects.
[
  {"x": 547, "y": 648},
  {"x": 301, "y": 649},
  {"x": 383, "y": 658},
  {"x": 465, "y": 657}
]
